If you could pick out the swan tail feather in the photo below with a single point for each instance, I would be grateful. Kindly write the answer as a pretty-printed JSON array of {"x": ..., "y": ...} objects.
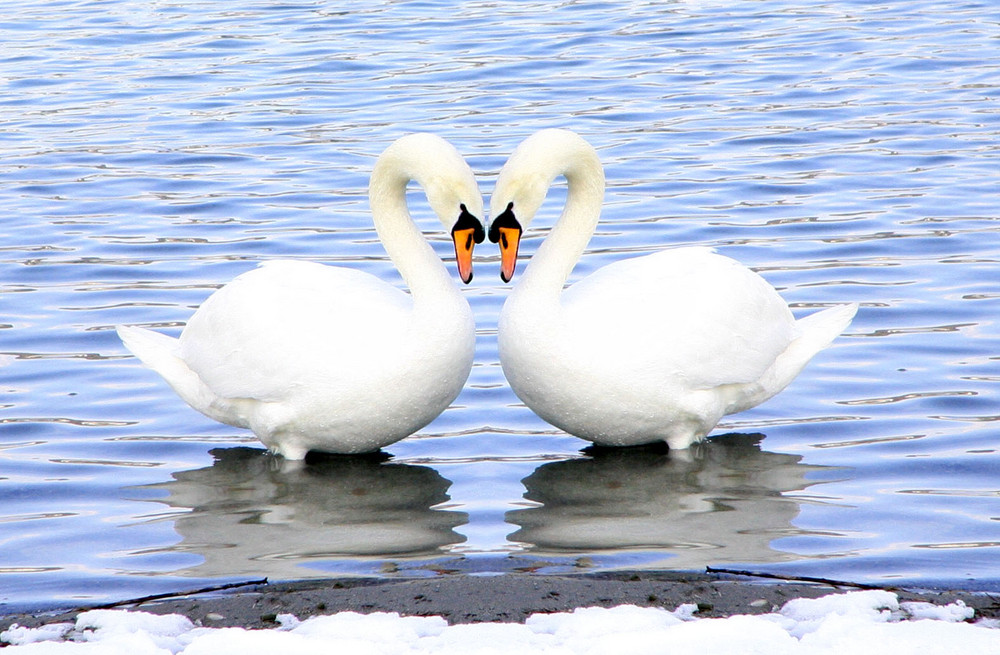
[
  {"x": 815, "y": 332},
  {"x": 161, "y": 353},
  {"x": 153, "y": 349},
  {"x": 818, "y": 330}
]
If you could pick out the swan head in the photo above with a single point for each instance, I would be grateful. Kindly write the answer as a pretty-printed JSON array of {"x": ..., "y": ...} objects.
[
  {"x": 447, "y": 180},
  {"x": 524, "y": 182},
  {"x": 466, "y": 233}
]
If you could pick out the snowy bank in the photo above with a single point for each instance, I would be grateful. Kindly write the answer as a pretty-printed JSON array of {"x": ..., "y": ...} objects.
[{"x": 866, "y": 621}]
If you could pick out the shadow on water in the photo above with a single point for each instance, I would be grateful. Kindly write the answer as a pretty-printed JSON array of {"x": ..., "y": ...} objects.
[
  {"x": 722, "y": 501},
  {"x": 254, "y": 513}
]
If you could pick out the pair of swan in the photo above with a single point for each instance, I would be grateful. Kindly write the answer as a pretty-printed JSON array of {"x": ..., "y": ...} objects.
[{"x": 649, "y": 349}]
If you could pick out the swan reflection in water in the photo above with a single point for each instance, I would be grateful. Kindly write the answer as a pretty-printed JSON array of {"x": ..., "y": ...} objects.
[
  {"x": 257, "y": 514},
  {"x": 721, "y": 502}
]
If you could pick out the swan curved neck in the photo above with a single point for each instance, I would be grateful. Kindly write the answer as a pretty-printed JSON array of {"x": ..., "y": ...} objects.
[
  {"x": 414, "y": 258},
  {"x": 552, "y": 264}
]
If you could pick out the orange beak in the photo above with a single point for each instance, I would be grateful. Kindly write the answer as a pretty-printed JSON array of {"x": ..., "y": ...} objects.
[
  {"x": 505, "y": 230},
  {"x": 468, "y": 231},
  {"x": 464, "y": 243},
  {"x": 510, "y": 239}
]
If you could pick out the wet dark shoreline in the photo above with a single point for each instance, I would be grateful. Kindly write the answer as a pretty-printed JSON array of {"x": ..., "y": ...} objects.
[{"x": 509, "y": 597}]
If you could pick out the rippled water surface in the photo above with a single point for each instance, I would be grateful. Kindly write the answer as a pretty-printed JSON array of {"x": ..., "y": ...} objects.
[{"x": 152, "y": 151}]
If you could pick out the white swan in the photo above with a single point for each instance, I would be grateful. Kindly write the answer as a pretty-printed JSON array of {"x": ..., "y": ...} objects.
[
  {"x": 655, "y": 348},
  {"x": 314, "y": 357}
]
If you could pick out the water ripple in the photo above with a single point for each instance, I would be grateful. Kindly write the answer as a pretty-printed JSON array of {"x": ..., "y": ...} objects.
[{"x": 847, "y": 151}]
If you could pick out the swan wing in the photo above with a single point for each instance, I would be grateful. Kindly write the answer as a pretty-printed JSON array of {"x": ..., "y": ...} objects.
[
  {"x": 686, "y": 314},
  {"x": 289, "y": 325}
]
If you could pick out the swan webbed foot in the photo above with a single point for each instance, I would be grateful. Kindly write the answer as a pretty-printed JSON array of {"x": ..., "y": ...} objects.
[
  {"x": 598, "y": 451},
  {"x": 319, "y": 457}
]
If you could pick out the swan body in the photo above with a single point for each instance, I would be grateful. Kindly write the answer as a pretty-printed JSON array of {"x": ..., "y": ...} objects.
[
  {"x": 314, "y": 357},
  {"x": 654, "y": 348}
]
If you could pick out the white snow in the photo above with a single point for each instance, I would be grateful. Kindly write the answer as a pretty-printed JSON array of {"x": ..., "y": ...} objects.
[{"x": 858, "y": 622}]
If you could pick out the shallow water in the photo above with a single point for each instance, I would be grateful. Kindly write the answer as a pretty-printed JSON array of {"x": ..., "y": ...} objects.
[{"x": 153, "y": 151}]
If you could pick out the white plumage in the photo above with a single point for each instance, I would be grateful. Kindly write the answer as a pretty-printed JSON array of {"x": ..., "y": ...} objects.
[
  {"x": 314, "y": 357},
  {"x": 654, "y": 348}
]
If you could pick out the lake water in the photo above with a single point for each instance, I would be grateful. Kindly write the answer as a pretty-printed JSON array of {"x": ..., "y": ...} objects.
[{"x": 152, "y": 151}]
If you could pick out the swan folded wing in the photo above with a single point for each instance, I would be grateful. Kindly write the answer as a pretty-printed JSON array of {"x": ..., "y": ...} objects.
[
  {"x": 293, "y": 325},
  {"x": 684, "y": 313}
]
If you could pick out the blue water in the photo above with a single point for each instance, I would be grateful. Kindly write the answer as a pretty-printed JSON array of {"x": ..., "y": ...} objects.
[{"x": 152, "y": 151}]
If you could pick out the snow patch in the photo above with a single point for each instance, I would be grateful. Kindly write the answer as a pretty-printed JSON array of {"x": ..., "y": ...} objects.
[{"x": 858, "y": 621}]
